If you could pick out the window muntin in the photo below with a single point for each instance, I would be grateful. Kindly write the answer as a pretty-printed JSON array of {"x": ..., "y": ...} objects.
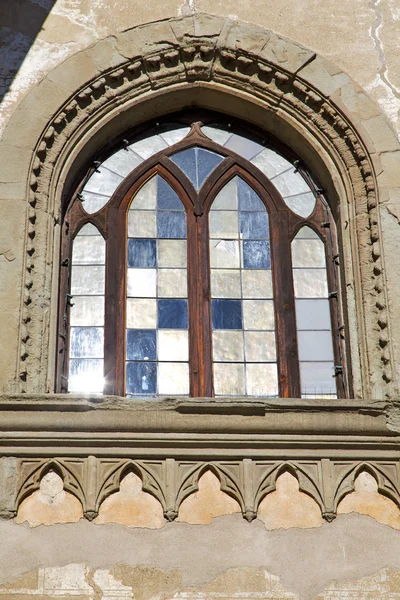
[{"x": 197, "y": 204}]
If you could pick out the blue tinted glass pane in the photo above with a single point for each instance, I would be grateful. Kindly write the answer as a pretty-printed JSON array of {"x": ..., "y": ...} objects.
[
  {"x": 171, "y": 224},
  {"x": 207, "y": 161},
  {"x": 227, "y": 314},
  {"x": 167, "y": 198},
  {"x": 254, "y": 225},
  {"x": 186, "y": 161},
  {"x": 256, "y": 255},
  {"x": 141, "y": 378},
  {"x": 142, "y": 253},
  {"x": 248, "y": 199},
  {"x": 172, "y": 314},
  {"x": 141, "y": 344}
]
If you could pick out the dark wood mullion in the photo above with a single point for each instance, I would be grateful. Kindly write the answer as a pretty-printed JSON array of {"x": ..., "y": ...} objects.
[
  {"x": 205, "y": 326},
  {"x": 285, "y": 315}
]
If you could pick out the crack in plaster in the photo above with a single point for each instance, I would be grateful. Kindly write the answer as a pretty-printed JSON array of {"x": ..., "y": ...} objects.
[{"x": 392, "y": 103}]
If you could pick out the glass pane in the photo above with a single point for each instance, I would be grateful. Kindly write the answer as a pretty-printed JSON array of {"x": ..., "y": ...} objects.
[
  {"x": 302, "y": 204},
  {"x": 306, "y": 233},
  {"x": 197, "y": 164},
  {"x": 87, "y": 310},
  {"x": 141, "y": 378},
  {"x": 93, "y": 202},
  {"x": 313, "y": 314},
  {"x": 308, "y": 253},
  {"x": 141, "y": 344},
  {"x": 141, "y": 283},
  {"x": 243, "y": 146},
  {"x": 87, "y": 281},
  {"x": 172, "y": 253},
  {"x": 257, "y": 284},
  {"x": 290, "y": 183},
  {"x": 315, "y": 345},
  {"x": 172, "y": 314},
  {"x": 86, "y": 342},
  {"x": 225, "y": 283},
  {"x": 219, "y": 136},
  {"x": 224, "y": 254},
  {"x": 146, "y": 197},
  {"x": 88, "y": 229},
  {"x": 103, "y": 182},
  {"x": 260, "y": 346},
  {"x": 228, "y": 346},
  {"x": 258, "y": 314},
  {"x": 271, "y": 163},
  {"x": 142, "y": 223},
  {"x": 141, "y": 313},
  {"x": 173, "y": 345},
  {"x": 227, "y": 199},
  {"x": 149, "y": 146},
  {"x": 173, "y": 379},
  {"x": 248, "y": 198},
  {"x": 142, "y": 253},
  {"x": 88, "y": 250},
  {"x": 224, "y": 224},
  {"x": 172, "y": 283},
  {"x": 226, "y": 314},
  {"x": 229, "y": 379},
  {"x": 167, "y": 198},
  {"x": 256, "y": 254},
  {"x": 261, "y": 379},
  {"x": 86, "y": 376},
  {"x": 310, "y": 283},
  {"x": 317, "y": 378},
  {"x": 122, "y": 162},
  {"x": 175, "y": 135},
  {"x": 254, "y": 225},
  {"x": 171, "y": 224}
]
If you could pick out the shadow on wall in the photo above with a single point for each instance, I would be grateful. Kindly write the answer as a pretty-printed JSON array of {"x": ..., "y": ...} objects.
[{"x": 20, "y": 23}]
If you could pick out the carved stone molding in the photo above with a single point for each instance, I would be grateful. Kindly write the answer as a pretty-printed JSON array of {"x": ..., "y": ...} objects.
[{"x": 233, "y": 63}]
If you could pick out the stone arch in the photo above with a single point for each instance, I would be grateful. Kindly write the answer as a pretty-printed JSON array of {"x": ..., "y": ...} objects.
[{"x": 202, "y": 60}]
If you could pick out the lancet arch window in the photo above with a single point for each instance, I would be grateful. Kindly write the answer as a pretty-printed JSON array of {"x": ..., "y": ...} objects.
[{"x": 200, "y": 260}]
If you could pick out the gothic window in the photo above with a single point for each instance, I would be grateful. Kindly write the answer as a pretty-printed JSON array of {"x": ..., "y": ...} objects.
[{"x": 200, "y": 259}]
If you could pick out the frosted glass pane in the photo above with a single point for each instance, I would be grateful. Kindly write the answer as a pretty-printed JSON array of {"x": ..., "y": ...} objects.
[
  {"x": 260, "y": 346},
  {"x": 290, "y": 183},
  {"x": 317, "y": 378},
  {"x": 149, "y": 146},
  {"x": 173, "y": 379},
  {"x": 261, "y": 380},
  {"x": 271, "y": 163},
  {"x": 219, "y": 136},
  {"x": 243, "y": 146},
  {"x": 227, "y": 199},
  {"x": 315, "y": 345},
  {"x": 310, "y": 283},
  {"x": 224, "y": 254},
  {"x": 86, "y": 342},
  {"x": 141, "y": 313},
  {"x": 228, "y": 346},
  {"x": 146, "y": 197},
  {"x": 104, "y": 182},
  {"x": 172, "y": 283},
  {"x": 122, "y": 162},
  {"x": 258, "y": 314},
  {"x": 88, "y": 229},
  {"x": 141, "y": 283},
  {"x": 229, "y": 379},
  {"x": 257, "y": 284},
  {"x": 86, "y": 376},
  {"x": 87, "y": 281},
  {"x": 313, "y": 314},
  {"x": 88, "y": 250},
  {"x": 172, "y": 253},
  {"x": 87, "y": 310},
  {"x": 142, "y": 224},
  {"x": 225, "y": 283},
  {"x": 308, "y": 253},
  {"x": 93, "y": 202},
  {"x": 302, "y": 205},
  {"x": 175, "y": 135},
  {"x": 173, "y": 345},
  {"x": 224, "y": 224},
  {"x": 306, "y": 233}
]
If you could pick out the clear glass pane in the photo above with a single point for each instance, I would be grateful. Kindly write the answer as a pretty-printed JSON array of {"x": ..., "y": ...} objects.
[
  {"x": 219, "y": 136},
  {"x": 172, "y": 253},
  {"x": 317, "y": 378},
  {"x": 122, "y": 162},
  {"x": 225, "y": 283},
  {"x": 315, "y": 345},
  {"x": 302, "y": 204},
  {"x": 142, "y": 283},
  {"x": 142, "y": 223},
  {"x": 229, "y": 379},
  {"x": 93, "y": 202},
  {"x": 87, "y": 281},
  {"x": 260, "y": 346},
  {"x": 87, "y": 310},
  {"x": 146, "y": 197},
  {"x": 290, "y": 183},
  {"x": 308, "y": 253},
  {"x": 175, "y": 135},
  {"x": 243, "y": 146},
  {"x": 228, "y": 346},
  {"x": 313, "y": 314},
  {"x": 173, "y": 345},
  {"x": 224, "y": 254},
  {"x": 306, "y": 233},
  {"x": 310, "y": 283},
  {"x": 86, "y": 342},
  {"x": 141, "y": 313},
  {"x": 172, "y": 283},
  {"x": 258, "y": 314},
  {"x": 173, "y": 379},
  {"x": 88, "y": 250},
  {"x": 88, "y": 229},
  {"x": 149, "y": 146},
  {"x": 224, "y": 224},
  {"x": 257, "y": 284},
  {"x": 261, "y": 379},
  {"x": 227, "y": 198},
  {"x": 103, "y": 182},
  {"x": 86, "y": 376},
  {"x": 271, "y": 163}
]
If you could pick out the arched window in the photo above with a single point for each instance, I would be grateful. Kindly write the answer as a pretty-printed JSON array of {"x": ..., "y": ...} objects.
[{"x": 200, "y": 259}]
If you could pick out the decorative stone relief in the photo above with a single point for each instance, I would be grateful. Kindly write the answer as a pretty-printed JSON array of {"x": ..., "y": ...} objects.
[{"x": 225, "y": 61}]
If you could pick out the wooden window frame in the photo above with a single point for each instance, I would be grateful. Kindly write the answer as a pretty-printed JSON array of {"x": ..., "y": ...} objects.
[{"x": 111, "y": 221}]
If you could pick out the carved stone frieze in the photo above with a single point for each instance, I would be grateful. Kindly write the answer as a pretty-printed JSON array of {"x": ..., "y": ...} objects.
[{"x": 217, "y": 60}]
